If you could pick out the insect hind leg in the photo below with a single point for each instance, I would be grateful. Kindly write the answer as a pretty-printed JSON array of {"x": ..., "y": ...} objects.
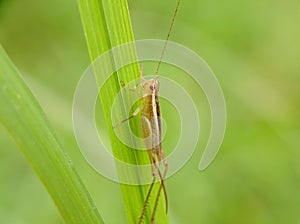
[
  {"x": 155, "y": 171},
  {"x": 147, "y": 200},
  {"x": 161, "y": 187}
]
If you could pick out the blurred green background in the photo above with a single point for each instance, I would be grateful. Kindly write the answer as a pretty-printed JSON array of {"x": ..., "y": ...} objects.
[{"x": 253, "y": 48}]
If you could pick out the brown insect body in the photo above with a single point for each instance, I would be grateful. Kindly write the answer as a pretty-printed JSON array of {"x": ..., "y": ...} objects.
[{"x": 151, "y": 121}]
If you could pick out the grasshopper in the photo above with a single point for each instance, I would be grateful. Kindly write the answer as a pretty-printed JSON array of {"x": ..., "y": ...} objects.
[{"x": 150, "y": 123}]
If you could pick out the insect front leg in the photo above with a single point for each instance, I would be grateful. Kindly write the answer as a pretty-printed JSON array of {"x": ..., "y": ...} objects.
[
  {"x": 134, "y": 90},
  {"x": 136, "y": 112},
  {"x": 142, "y": 72}
]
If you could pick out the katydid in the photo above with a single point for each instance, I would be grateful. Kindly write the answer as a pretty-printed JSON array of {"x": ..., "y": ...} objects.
[{"x": 150, "y": 124}]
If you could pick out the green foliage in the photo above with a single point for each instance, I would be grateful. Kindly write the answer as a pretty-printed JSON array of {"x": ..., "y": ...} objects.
[{"x": 24, "y": 119}]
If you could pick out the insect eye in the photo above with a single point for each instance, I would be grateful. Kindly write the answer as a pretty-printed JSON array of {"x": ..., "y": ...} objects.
[{"x": 152, "y": 87}]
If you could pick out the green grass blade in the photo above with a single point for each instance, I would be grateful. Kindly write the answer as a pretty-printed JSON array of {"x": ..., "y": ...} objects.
[
  {"x": 24, "y": 119},
  {"x": 107, "y": 24}
]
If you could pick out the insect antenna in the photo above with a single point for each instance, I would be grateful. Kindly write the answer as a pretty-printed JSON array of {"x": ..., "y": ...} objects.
[{"x": 167, "y": 39}]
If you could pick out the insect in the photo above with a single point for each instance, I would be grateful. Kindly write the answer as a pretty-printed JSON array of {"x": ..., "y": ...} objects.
[{"x": 150, "y": 124}]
